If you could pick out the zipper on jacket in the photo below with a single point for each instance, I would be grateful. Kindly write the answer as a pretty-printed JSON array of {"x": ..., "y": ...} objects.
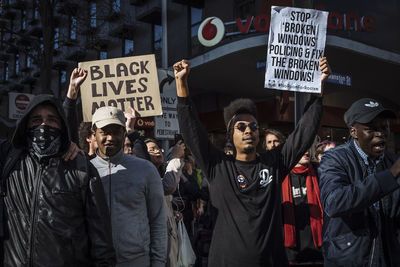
[
  {"x": 109, "y": 186},
  {"x": 38, "y": 179},
  {"x": 373, "y": 252}
]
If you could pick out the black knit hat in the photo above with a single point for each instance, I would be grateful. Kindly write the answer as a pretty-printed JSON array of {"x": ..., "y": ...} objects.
[
  {"x": 365, "y": 110},
  {"x": 239, "y": 106}
]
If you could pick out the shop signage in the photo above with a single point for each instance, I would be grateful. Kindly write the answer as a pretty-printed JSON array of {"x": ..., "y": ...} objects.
[
  {"x": 213, "y": 29},
  {"x": 17, "y": 104},
  {"x": 166, "y": 125}
]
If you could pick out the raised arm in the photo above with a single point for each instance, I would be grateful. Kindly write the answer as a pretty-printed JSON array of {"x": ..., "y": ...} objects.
[
  {"x": 78, "y": 76},
  {"x": 303, "y": 135},
  {"x": 192, "y": 130},
  {"x": 172, "y": 175}
]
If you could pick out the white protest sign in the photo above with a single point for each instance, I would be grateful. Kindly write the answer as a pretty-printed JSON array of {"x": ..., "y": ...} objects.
[
  {"x": 17, "y": 103},
  {"x": 121, "y": 82},
  {"x": 166, "y": 125},
  {"x": 296, "y": 43}
]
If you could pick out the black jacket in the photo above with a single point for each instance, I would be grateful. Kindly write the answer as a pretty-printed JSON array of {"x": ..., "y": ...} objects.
[
  {"x": 248, "y": 230},
  {"x": 55, "y": 211},
  {"x": 348, "y": 194}
]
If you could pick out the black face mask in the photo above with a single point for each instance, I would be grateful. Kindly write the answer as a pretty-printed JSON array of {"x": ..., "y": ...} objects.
[{"x": 44, "y": 140}]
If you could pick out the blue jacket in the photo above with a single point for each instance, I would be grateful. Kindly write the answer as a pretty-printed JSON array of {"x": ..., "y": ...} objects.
[{"x": 347, "y": 196}]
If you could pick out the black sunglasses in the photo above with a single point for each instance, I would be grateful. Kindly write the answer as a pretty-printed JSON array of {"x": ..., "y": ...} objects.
[{"x": 241, "y": 126}]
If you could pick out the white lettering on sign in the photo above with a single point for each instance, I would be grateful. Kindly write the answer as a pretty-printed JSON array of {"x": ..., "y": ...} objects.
[{"x": 166, "y": 125}]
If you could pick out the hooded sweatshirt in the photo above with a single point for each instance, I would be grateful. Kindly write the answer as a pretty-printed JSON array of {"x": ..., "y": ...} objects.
[{"x": 55, "y": 211}]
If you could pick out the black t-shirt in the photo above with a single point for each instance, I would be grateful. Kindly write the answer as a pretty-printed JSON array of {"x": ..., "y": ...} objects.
[
  {"x": 305, "y": 250},
  {"x": 248, "y": 230}
]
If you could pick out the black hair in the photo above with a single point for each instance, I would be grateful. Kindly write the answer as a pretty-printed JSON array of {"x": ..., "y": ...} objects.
[
  {"x": 84, "y": 131},
  {"x": 236, "y": 107},
  {"x": 239, "y": 106},
  {"x": 281, "y": 137},
  {"x": 150, "y": 140},
  {"x": 178, "y": 137}
]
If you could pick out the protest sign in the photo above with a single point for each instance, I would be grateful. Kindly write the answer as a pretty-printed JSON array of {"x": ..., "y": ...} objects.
[
  {"x": 17, "y": 103},
  {"x": 167, "y": 124},
  {"x": 121, "y": 82},
  {"x": 296, "y": 43}
]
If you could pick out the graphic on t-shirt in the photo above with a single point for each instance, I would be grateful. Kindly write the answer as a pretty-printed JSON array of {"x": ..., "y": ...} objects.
[
  {"x": 299, "y": 191},
  {"x": 265, "y": 177},
  {"x": 242, "y": 181}
]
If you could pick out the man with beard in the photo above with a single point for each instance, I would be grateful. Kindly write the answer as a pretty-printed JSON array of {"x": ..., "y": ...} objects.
[
  {"x": 245, "y": 187},
  {"x": 359, "y": 183},
  {"x": 273, "y": 138},
  {"x": 55, "y": 210},
  {"x": 134, "y": 195}
]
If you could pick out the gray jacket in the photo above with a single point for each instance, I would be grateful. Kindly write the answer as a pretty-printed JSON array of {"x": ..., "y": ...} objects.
[{"x": 135, "y": 197}]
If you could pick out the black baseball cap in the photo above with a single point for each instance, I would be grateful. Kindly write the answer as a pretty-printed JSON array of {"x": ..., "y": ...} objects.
[{"x": 365, "y": 110}]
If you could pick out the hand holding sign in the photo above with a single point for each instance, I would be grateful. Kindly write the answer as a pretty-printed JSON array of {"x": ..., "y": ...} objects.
[
  {"x": 78, "y": 76},
  {"x": 326, "y": 71},
  {"x": 122, "y": 83}
]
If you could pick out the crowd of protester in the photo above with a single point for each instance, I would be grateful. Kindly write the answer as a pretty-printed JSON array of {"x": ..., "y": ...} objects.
[{"x": 120, "y": 200}]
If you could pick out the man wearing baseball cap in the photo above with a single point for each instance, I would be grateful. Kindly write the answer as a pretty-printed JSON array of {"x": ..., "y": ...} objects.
[
  {"x": 359, "y": 186},
  {"x": 134, "y": 194}
]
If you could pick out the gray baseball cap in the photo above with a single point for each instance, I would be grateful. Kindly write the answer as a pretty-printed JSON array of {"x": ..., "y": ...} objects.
[{"x": 108, "y": 115}]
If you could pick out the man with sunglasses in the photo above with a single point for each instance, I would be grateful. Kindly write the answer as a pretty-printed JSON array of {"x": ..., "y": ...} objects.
[{"x": 245, "y": 187}]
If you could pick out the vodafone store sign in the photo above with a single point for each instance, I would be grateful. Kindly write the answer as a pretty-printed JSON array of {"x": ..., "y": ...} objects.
[
  {"x": 17, "y": 104},
  {"x": 211, "y": 31}
]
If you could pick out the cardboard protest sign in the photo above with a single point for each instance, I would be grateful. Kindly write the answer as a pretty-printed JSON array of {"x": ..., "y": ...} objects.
[
  {"x": 166, "y": 125},
  {"x": 296, "y": 43},
  {"x": 17, "y": 103},
  {"x": 121, "y": 82}
]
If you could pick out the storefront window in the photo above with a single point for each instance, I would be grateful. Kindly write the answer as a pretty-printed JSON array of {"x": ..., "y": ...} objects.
[
  {"x": 196, "y": 15},
  {"x": 129, "y": 46},
  {"x": 195, "y": 18},
  {"x": 157, "y": 37},
  {"x": 102, "y": 54},
  {"x": 93, "y": 15},
  {"x": 338, "y": 135},
  {"x": 244, "y": 8},
  {"x": 116, "y": 5},
  {"x": 56, "y": 38},
  {"x": 16, "y": 64},
  {"x": 72, "y": 29}
]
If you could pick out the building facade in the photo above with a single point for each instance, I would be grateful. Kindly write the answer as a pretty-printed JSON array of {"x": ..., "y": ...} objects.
[{"x": 363, "y": 48}]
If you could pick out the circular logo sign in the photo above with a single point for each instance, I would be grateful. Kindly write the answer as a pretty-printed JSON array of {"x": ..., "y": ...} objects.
[
  {"x": 211, "y": 31},
  {"x": 21, "y": 101}
]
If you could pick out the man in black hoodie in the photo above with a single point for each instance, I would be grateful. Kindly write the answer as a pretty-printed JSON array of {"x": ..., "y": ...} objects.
[{"x": 55, "y": 212}]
